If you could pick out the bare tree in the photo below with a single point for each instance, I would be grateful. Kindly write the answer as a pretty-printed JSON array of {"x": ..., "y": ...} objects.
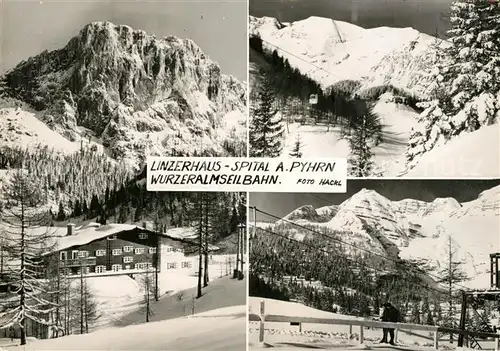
[
  {"x": 149, "y": 287},
  {"x": 450, "y": 275},
  {"x": 90, "y": 308},
  {"x": 25, "y": 224}
]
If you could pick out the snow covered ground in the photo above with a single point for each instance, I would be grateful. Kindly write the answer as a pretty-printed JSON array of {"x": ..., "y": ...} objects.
[
  {"x": 22, "y": 128},
  {"x": 323, "y": 336},
  {"x": 115, "y": 297},
  {"x": 118, "y": 296},
  {"x": 475, "y": 155},
  {"x": 223, "y": 329},
  {"x": 220, "y": 293},
  {"x": 321, "y": 141}
]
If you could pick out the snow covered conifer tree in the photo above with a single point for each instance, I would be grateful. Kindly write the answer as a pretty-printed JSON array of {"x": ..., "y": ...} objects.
[
  {"x": 297, "y": 149},
  {"x": 366, "y": 130},
  {"x": 466, "y": 92},
  {"x": 266, "y": 128},
  {"x": 25, "y": 222}
]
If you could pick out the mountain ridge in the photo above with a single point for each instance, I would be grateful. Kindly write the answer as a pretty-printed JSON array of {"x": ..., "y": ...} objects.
[
  {"x": 411, "y": 229},
  {"x": 329, "y": 51}
]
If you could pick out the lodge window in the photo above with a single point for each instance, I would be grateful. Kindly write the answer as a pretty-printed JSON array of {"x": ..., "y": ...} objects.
[
  {"x": 116, "y": 267},
  {"x": 83, "y": 254},
  {"x": 128, "y": 248},
  {"x": 128, "y": 259},
  {"x": 169, "y": 249},
  {"x": 149, "y": 265},
  {"x": 100, "y": 269},
  {"x": 187, "y": 264},
  {"x": 74, "y": 254},
  {"x": 171, "y": 265},
  {"x": 116, "y": 252},
  {"x": 140, "y": 266},
  {"x": 127, "y": 266},
  {"x": 112, "y": 237},
  {"x": 99, "y": 253},
  {"x": 143, "y": 236},
  {"x": 63, "y": 255},
  {"x": 139, "y": 250},
  {"x": 152, "y": 250}
]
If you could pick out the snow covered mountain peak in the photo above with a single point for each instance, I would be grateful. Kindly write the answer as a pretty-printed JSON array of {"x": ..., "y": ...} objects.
[
  {"x": 412, "y": 228},
  {"x": 135, "y": 93},
  {"x": 330, "y": 51}
]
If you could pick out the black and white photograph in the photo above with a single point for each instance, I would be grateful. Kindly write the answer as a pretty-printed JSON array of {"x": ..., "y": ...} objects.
[
  {"x": 401, "y": 88},
  {"x": 89, "y": 259},
  {"x": 391, "y": 264}
]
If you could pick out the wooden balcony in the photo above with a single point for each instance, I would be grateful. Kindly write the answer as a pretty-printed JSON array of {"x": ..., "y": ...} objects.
[{"x": 90, "y": 261}]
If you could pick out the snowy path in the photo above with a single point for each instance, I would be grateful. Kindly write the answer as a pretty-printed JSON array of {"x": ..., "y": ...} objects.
[{"x": 224, "y": 329}]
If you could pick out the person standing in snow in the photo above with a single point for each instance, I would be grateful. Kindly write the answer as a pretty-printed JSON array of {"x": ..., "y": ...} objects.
[
  {"x": 12, "y": 333},
  {"x": 390, "y": 314}
]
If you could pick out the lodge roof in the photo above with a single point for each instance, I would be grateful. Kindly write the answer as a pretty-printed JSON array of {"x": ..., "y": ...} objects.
[{"x": 94, "y": 231}]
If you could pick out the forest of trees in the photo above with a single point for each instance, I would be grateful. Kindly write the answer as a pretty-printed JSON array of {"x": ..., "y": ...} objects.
[{"x": 90, "y": 186}]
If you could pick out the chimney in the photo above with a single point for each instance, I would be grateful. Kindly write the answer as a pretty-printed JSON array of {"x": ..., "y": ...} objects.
[
  {"x": 144, "y": 225},
  {"x": 70, "y": 227}
]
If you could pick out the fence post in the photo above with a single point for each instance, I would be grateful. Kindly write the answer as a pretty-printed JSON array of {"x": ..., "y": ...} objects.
[
  {"x": 497, "y": 341},
  {"x": 436, "y": 339},
  {"x": 350, "y": 331},
  {"x": 361, "y": 335},
  {"x": 261, "y": 330},
  {"x": 396, "y": 335}
]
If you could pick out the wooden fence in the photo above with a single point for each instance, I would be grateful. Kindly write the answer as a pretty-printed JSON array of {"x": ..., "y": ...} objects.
[{"x": 362, "y": 324}]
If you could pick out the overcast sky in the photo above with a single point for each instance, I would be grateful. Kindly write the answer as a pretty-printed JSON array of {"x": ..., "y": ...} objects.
[
  {"x": 280, "y": 204},
  {"x": 423, "y": 15},
  {"x": 218, "y": 27}
]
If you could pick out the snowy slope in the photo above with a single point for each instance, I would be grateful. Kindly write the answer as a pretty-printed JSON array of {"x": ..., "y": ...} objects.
[
  {"x": 473, "y": 155},
  {"x": 389, "y": 156},
  {"x": 329, "y": 51},
  {"x": 414, "y": 229},
  {"x": 116, "y": 296},
  {"x": 223, "y": 329}
]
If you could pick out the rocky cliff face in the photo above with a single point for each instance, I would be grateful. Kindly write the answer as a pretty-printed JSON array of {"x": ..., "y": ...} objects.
[{"x": 134, "y": 92}]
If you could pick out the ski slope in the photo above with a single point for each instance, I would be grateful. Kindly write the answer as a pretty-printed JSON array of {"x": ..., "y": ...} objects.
[{"x": 223, "y": 329}]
